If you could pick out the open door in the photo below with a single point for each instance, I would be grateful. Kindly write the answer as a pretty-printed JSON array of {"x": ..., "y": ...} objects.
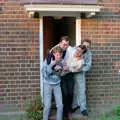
[{"x": 54, "y": 28}]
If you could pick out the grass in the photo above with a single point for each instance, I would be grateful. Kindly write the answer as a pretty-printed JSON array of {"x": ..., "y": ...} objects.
[
  {"x": 109, "y": 118},
  {"x": 13, "y": 117},
  {"x": 113, "y": 115}
]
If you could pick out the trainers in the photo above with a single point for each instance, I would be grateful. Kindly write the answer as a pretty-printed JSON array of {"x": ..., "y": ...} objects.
[
  {"x": 69, "y": 116},
  {"x": 74, "y": 109},
  {"x": 84, "y": 113},
  {"x": 64, "y": 118}
]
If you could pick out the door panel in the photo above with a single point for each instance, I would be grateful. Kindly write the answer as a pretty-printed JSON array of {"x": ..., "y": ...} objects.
[
  {"x": 54, "y": 28},
  {"x": 47, "y": 34}
]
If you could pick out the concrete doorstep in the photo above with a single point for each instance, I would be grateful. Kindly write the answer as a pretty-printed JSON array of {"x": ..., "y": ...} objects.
[{"x": 75, "y": 116}]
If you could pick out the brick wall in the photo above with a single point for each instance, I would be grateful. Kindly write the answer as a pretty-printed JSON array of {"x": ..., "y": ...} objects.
[
  {"x": 111, "y": 5},
  {"x": 19, "y": 55},
  {"x": 103, "y": 82}
]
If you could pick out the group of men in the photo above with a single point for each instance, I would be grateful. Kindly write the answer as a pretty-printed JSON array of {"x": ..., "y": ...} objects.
[{"x": 63, "y": 86}]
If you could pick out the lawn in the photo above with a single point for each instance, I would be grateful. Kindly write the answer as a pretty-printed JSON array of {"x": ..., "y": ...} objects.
[
  {"x": 13, "y": 117},
  {"x": 113, "y": 115}
]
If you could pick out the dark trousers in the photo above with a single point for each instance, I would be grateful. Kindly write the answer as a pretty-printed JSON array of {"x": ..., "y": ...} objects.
[{"x": 67, "y": 86}]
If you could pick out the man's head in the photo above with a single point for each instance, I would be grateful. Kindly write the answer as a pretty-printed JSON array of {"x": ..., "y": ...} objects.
[
  {"x": 80, "y": 50},
  {"x": 57, "y": 52},
  {"x": 64, "y": 42},
  {"x": 86, "y": 42}
]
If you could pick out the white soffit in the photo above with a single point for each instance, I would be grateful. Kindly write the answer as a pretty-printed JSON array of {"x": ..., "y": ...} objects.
[{"x": 62, "y": 8}]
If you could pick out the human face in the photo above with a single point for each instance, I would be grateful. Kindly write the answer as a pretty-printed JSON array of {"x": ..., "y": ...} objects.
[
  {"x": 64, "y": 44},
  {"x": 87, "y": 44},
  {"x": 57, "y": 56},
  {"x": 78, "y": 52}
]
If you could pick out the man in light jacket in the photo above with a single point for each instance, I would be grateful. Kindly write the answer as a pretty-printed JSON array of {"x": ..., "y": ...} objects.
[{"x": 81, "y": 103}]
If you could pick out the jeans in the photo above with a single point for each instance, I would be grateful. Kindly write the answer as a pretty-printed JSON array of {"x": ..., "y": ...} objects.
[
  {"x": 48, "y": 89},
  {"x": 79, "y": 91}
]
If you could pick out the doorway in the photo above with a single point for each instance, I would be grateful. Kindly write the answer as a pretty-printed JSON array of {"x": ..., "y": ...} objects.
[{"x": 54, "y": 28}]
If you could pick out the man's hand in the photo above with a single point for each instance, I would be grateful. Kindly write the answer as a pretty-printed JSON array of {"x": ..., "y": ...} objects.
[
  {"x": 58, "y": 73},
  {"x": 57, "y": 67},
  {"x": 76, "y": 69},
  {"x": 65, "y": 68}
]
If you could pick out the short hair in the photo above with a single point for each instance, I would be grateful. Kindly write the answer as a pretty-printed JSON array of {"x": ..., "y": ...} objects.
[
  {"x": 83, "y": 47},
  {"x": 86, "y": 40},
  {"x": 67, "y": 38},
  {"x": 58, "y": 49}
]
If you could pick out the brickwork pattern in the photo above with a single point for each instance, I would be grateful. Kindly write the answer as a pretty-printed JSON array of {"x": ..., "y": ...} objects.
[
  {"x": 19, "y": 55},
  {"x": 103, "y": 81},
  {"x": 103, "y": 86}
]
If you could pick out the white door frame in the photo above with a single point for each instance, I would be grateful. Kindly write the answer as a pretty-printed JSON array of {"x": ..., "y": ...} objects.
[
  {"x": 78, "y": 30},
  {"x": 41, "y": 48}
]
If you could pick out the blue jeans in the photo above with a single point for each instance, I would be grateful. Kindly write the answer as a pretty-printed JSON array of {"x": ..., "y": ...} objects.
[
  {"x": 79, "y": 91},
  {"x": 56, "y": 89}
]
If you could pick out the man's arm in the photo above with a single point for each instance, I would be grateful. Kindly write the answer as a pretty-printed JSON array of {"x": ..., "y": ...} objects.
[
  {"x": 88, "y": 63},
  {"x": 78, "y": 67},
  {"x": 47, "y": 69},
  {"x": 53, "y": 48}
]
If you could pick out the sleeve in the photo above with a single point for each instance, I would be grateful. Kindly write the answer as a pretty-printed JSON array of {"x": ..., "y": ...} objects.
[
  {"x": 69, "y": 53},
  {"x": 88, "y": 62},
  {"x": 78, "y": 67},
  {"x": 46, "y": 69},
  {"x": 53, "y": 48}
]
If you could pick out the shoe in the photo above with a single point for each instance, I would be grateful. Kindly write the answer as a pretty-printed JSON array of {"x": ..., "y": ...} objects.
[
  {"x": 74, "y": 109},
  {"x": 69, "y": 116},
  {"x": 64, "y": 118},
  {"x": 84, "y": 113}
]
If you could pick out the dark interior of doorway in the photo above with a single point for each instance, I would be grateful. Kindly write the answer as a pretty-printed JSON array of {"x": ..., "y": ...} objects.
[{"x": 54, "y": 28}]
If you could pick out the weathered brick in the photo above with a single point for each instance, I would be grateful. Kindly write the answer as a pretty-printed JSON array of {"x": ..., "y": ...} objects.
[
  {"x": 19, "y": 55},
  {"x": 16, "y": 43}
]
